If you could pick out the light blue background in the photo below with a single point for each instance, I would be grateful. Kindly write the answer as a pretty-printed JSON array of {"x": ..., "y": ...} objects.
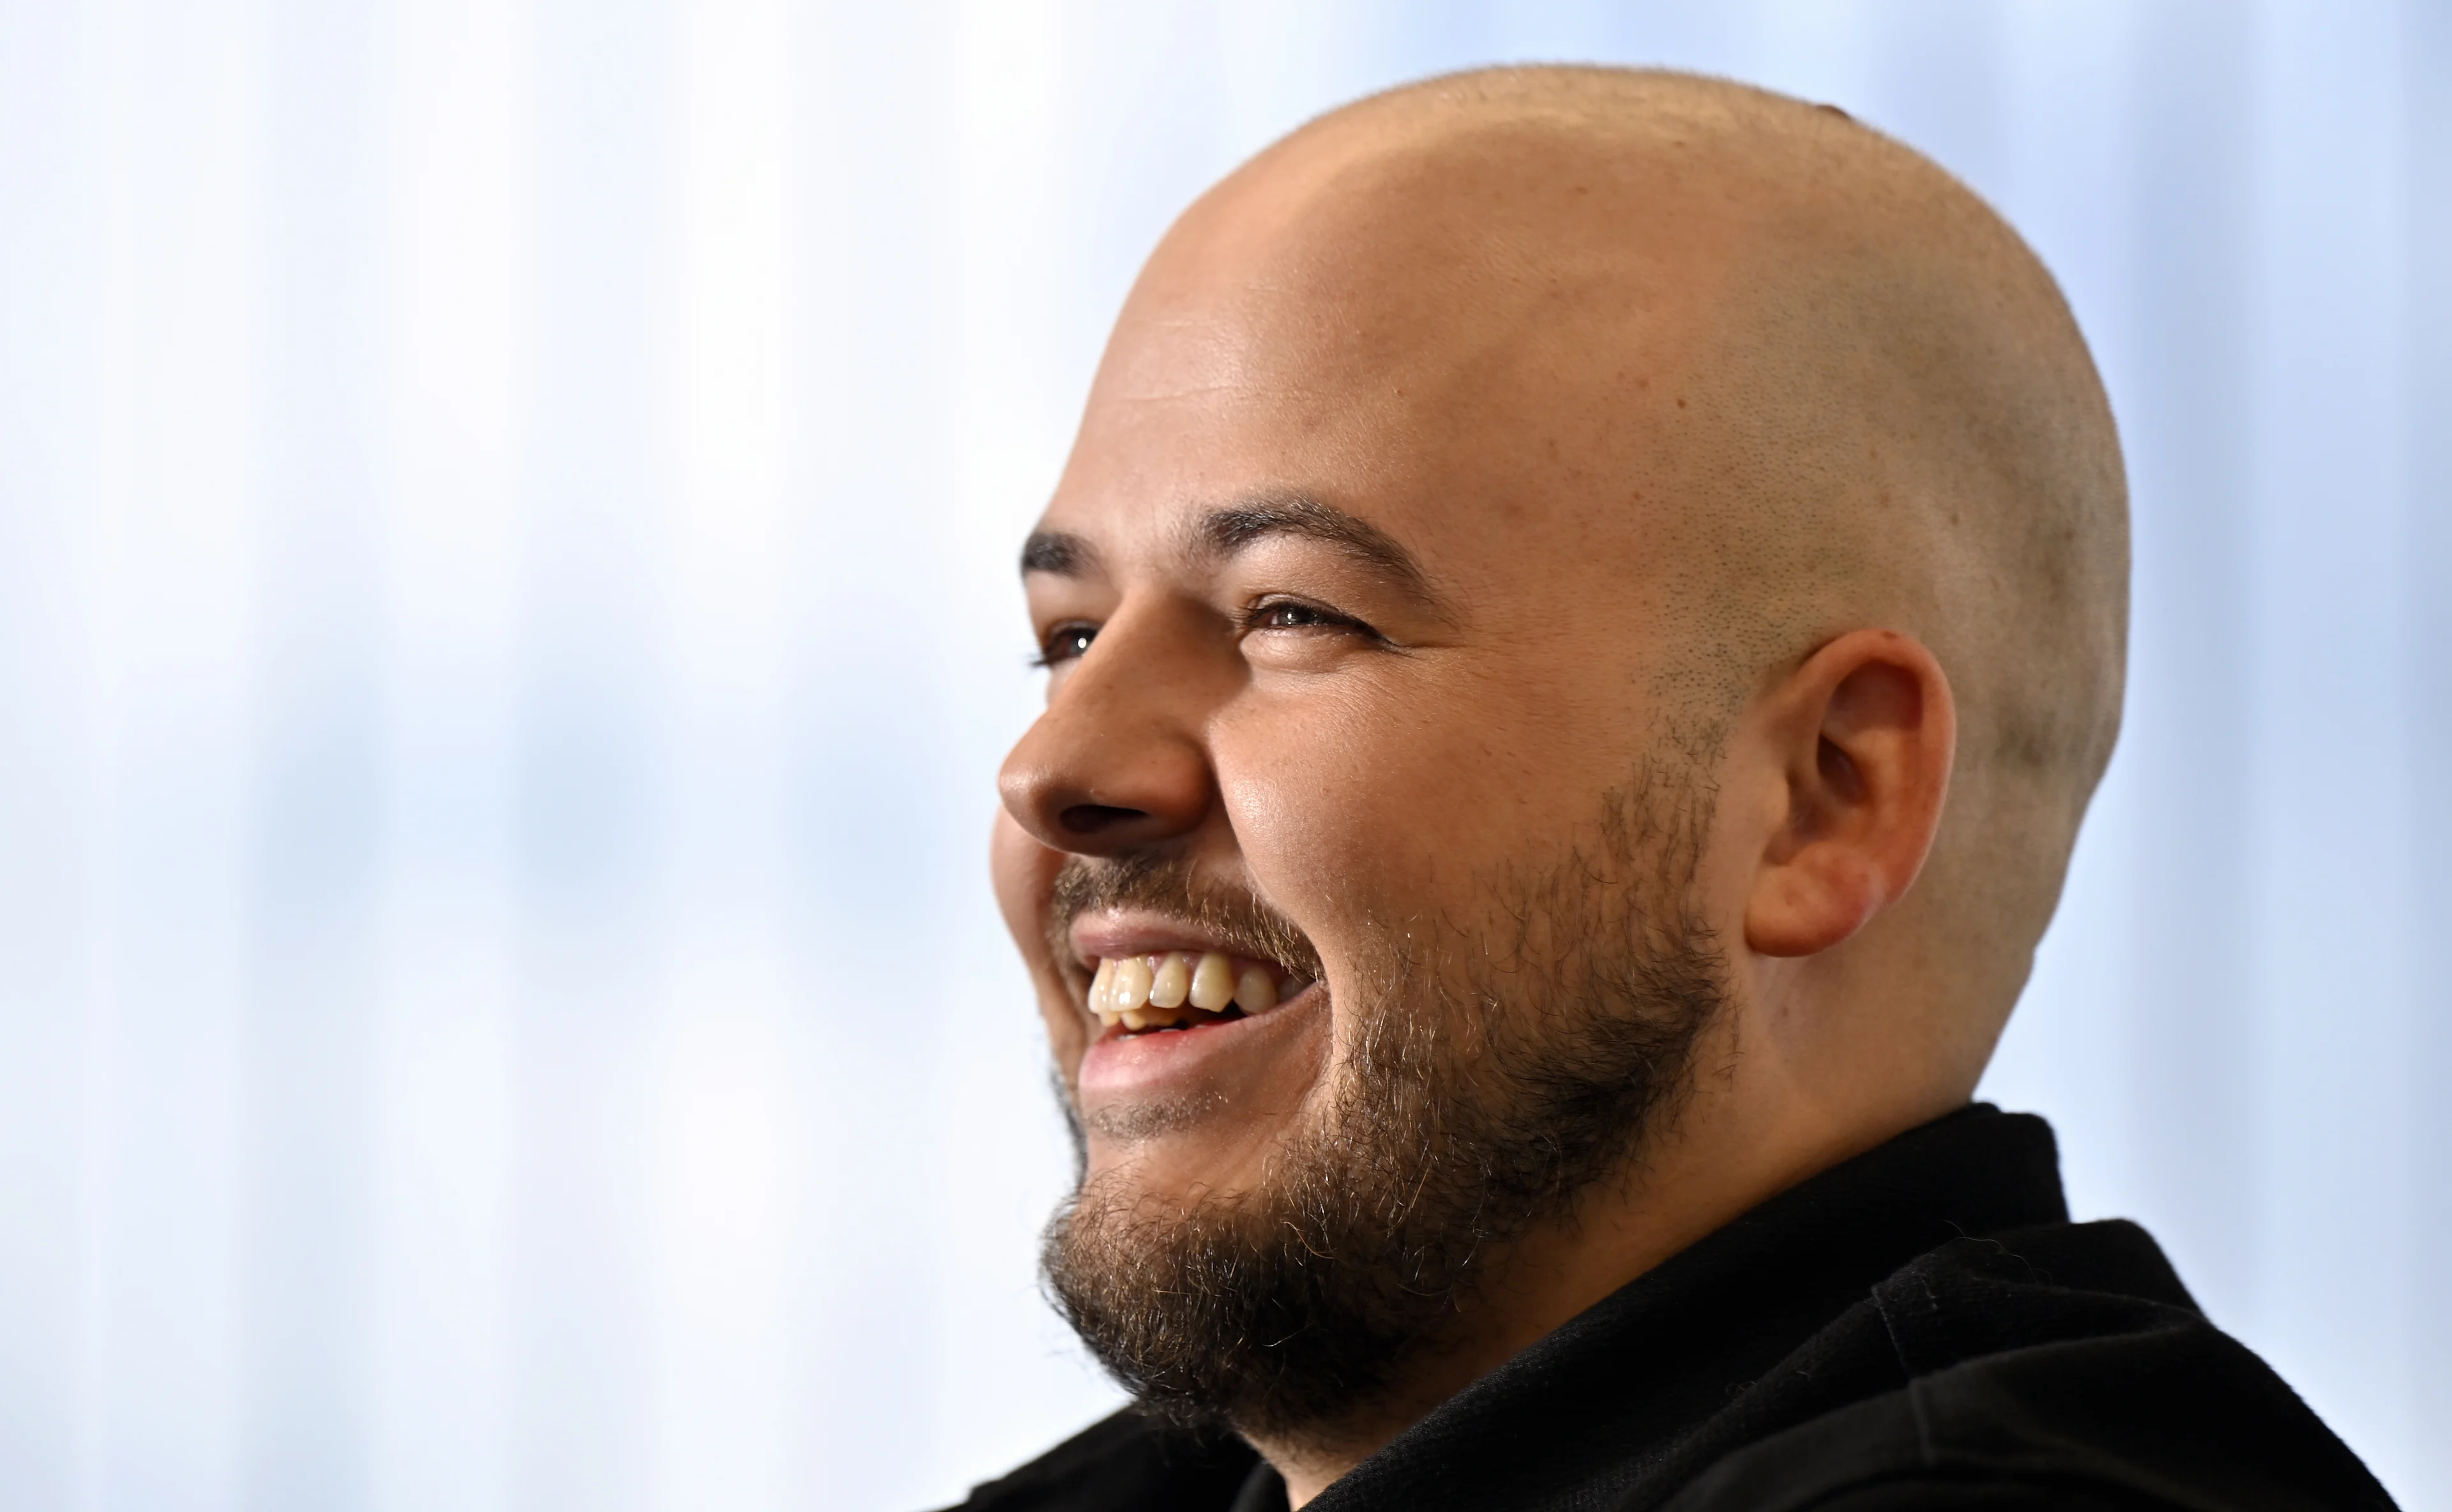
[{"x": 506, "y": 515}]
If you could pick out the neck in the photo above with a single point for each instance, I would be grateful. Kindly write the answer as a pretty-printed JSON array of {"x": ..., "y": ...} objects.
[
  {"x": 1544, "y": 1280},
  {"x": 1312, "y": 1455},
  {"x": 1683, "y": 1190}
]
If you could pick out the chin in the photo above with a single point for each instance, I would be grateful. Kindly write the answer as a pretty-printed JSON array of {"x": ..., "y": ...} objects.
[{"x": 1186, "y": 1163}]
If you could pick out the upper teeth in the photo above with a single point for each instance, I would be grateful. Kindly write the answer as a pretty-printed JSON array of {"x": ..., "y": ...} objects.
[{"x": 1140, "y": 990}]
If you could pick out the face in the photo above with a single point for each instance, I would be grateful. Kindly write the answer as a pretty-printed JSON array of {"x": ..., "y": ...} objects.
[{"x": 1358, "y": 808}]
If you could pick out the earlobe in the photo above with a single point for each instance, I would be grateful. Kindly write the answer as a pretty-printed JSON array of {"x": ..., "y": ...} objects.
[{"x": 1867, "y": 731}]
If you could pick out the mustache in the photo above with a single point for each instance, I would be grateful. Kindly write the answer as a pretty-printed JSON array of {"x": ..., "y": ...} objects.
[{"x": 1235, "y": 918}]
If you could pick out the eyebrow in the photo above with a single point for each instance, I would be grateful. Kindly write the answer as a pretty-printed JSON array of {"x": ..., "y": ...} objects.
[
  {"x": 1226, "y": 532},
  {"x": 1066, "y": 555}
]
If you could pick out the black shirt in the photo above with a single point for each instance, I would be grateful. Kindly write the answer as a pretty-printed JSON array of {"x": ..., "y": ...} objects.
[{"x": 1917, "y": 1330}]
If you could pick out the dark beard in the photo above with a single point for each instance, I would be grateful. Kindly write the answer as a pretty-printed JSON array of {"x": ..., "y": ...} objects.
[{"x": 1487, "y": 1091}]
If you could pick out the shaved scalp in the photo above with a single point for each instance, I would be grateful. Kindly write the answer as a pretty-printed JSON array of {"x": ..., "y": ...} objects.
[
  {"x": 1850, "y": 396},
  {"x": 1703, "y": 548}
]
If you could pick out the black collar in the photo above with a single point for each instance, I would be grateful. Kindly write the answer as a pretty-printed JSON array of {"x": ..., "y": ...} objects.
[
  {"x": 1903, "y": 1331},
  {"x": 1620, "y": 1389}
]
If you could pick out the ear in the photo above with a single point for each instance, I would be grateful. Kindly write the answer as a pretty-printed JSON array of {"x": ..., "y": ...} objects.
[{"x": 1865, "y": 731}]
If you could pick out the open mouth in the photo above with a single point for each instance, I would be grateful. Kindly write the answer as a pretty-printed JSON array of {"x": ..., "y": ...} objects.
[{"x": 1177, "y": 989}]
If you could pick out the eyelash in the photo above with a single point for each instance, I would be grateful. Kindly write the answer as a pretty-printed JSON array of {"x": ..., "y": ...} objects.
[
  {"x": 1047, "y": 656},
  {"x": 1250, "y": 619}
]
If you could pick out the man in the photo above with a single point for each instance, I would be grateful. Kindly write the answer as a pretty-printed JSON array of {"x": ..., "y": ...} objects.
[{"x": 1582, "y": 620}]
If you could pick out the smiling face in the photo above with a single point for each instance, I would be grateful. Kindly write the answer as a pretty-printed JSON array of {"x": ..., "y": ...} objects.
[
  {"x": 1353, "y": 654},
  {"x": 1339, "y": 619},
  {"x": 1494, "y": 616}
]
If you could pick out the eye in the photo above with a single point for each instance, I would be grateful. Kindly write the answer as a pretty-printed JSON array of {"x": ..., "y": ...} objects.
[
  {"x": 1293, "y": 614},
  {"x": 1066, "y": 642},
  {"x": 1285, "y": 616}
]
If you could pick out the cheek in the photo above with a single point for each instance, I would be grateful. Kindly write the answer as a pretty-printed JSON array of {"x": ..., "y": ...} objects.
[
  {"x": 1318, "y": 802},
  {"x": 1399, "y": 804},
  {"x": 1067, "y": 1037},
  {"x": 1025, "y": 883},
  {"x": 1024, "y": 871}
]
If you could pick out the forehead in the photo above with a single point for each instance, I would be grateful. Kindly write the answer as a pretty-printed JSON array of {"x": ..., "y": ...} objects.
[{"x": 1483, "y": 389}]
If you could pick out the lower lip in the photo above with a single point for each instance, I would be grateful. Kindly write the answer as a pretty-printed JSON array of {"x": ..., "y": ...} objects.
[{"x": 1124, "y": 1067}]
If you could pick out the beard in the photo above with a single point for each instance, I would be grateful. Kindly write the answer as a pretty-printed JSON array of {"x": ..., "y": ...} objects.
[{"x": 1495, "y": 1074}]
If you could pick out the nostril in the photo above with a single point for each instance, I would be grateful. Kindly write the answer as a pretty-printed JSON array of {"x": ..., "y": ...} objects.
[{"x": 1093, "y": 818}]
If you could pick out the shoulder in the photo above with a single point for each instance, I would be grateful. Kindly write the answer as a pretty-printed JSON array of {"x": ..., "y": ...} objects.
[
  {"x": 2061, "y": 1367},
  {"x": 1128, "y": 1460}
]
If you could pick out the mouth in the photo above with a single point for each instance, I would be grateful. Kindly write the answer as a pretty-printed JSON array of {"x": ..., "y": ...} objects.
[{"x": 1173, "y": 991}]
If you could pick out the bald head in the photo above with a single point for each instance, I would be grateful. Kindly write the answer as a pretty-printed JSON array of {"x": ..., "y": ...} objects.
[
  {"x": 1774, "y": 374},
  {"x": 1597, "y": 598}
]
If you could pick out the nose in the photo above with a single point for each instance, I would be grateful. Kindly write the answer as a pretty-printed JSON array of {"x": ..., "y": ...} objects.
[{"x": 1116, "y": 762}]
